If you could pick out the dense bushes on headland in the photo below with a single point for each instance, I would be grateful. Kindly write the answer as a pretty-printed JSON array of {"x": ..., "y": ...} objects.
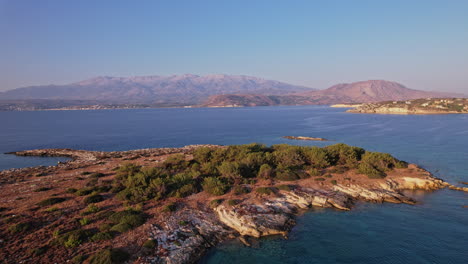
[{"x": 217, "y": 170}]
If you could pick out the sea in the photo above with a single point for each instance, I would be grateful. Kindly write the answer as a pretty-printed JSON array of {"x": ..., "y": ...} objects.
[{"x": 435, "y": 230}]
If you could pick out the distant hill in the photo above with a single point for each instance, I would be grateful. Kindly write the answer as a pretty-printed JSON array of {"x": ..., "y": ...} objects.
[
  {"x": 370, "y": 91},
  {"x": 177, "y": 89},
  {"x": 358, "y": 92}
]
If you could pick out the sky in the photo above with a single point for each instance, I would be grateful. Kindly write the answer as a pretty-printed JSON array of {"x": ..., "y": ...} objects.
[{"x": 422, "y": 44}]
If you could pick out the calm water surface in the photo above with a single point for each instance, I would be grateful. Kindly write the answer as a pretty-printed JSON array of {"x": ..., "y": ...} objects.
[{"x": 434, "y": 231}]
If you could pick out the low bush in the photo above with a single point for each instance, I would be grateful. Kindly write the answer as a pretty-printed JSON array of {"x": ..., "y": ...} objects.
[
  {"x": 97, "y": 175},
  {"x": 239, "y": 189},
  {"x": 214, "y": 186},
  {"x": 84, "y": 221},
  {"x": 126, "y": 220},
  {"x": 109, "y": 256},
  {"x": 78, "y": 259},
  {"x": 74, "y": 238},
  {"x": 42, "y": 189},
  {"x": 286, "y": 175},
  {"x": 95, "y": 198},
  {"x": 371, "y": 171},
  {"x": 71, "y": 190},
  {"x": 334, "y": 182},
  {"x": 84, "y": 191},
  {"x": 284, "y": 187},
  {"x": 105, "y": 227},
  {"x": 264, "y": 190},
  {"x": 232, "y": 202},
  {"x": 39, "y": 251},
  {"x": 319, "y": 179},
  {"x": 101, "y": 236},
  {"x": 214, "y": 203},
  {"x": 150, "y": 244},
  {"x": 315, "y": 172},
  {"x": 91, "y": 209},
  {"x": 20, "y": 227},
  {"x": 51, "y": 209},
  {"x": 171, "y": 207},
  {"x": 51, "y": 201},
  {"x": 121, "y": 228}
]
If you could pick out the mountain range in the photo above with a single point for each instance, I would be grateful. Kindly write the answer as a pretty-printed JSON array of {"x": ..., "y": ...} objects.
[
  {"x": 210, "y": 90},
  {"x": 184, "y": 89}
]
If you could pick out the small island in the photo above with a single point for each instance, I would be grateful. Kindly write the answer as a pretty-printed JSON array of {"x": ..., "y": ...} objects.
[
  {"x": 417, "y": 106},
  {"x": 169, "y": 205},
  {"x": 305, "y": 138}
]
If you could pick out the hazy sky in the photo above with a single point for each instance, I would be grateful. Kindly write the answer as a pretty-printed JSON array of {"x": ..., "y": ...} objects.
[{"x": 422, "y": 44}]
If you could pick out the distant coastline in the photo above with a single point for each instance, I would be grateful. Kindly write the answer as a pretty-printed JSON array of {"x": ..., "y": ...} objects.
[{"x": 429, "y": 106}]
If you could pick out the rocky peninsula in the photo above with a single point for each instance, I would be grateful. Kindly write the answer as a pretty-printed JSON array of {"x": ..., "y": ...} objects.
[
  {"x": 418, "y": 106},
  {"x": 169, "y": 205}
]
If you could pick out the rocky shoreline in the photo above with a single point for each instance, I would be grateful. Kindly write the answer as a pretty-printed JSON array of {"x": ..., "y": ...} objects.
[{"x": 199, "y": 222}]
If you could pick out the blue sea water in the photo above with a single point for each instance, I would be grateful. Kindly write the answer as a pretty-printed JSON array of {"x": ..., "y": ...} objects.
[{"x": 433, "y": 231}]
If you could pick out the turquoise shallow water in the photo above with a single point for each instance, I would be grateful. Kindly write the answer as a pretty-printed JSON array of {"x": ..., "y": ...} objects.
[{"x": 433, "y": 231}]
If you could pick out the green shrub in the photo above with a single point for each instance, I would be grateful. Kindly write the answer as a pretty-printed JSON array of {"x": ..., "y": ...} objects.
[
  {"x": 380, "y": 161},
  {"x": 239, "y": 189},
  {"x": 101, "y": 236},
  {"x": 109, "y": 256},
  {"x": 338, "y": 169},
  {"x": 105, "y": 227},
  {"x": 150, "y": 243},
  {"x": 401, "y": 164},
  {"x": 315, "y": 172},
  {"x": 20, "y": 227},
  {"x": 214, "y": 203},
  {"x": 84, "y": 191},
  {"x": 342, "y": 154},
  {"x": 286, "y": 175},
  {"x": 202, "y": 154},
  {"x": 97, "y": 175},
  {"x": 78, "y": 259},
  {"x": 42, "y": 189},
  {"x": 317, "y": 157},
  {"x": 232, "y": 202},
  {"x": 214, "y": 186},
  {"x": 121, "y": 227},
  {"x": 319, "y": 179},
  {"x": 171, "y": 207},
  {"x": 266, "y": 172},
  {"x": 371, "y": 171},
  {"x": 71, "y": 190},
  {"x": 264, "y": 190},
  {"x": 74, "y": 238},
  {"x": 39, "y": 251},
  {"x": 51, "y": 209},
  {"x": 126, "y": 220},
  {"x": 85, "y": 173},
  {"x": 284, "y": 187},
  {"x": 84, "y": 221},
  {"x": 185, "y": 190},
  {"x": 328, "y": 176},
  {"x": 333, "y": 182},
  {"x": 91, "y": 209},
  {"x": 287, "y": 156},
  {"x": 95, "y": 198},
  {"x": 51, "y": 201}
]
